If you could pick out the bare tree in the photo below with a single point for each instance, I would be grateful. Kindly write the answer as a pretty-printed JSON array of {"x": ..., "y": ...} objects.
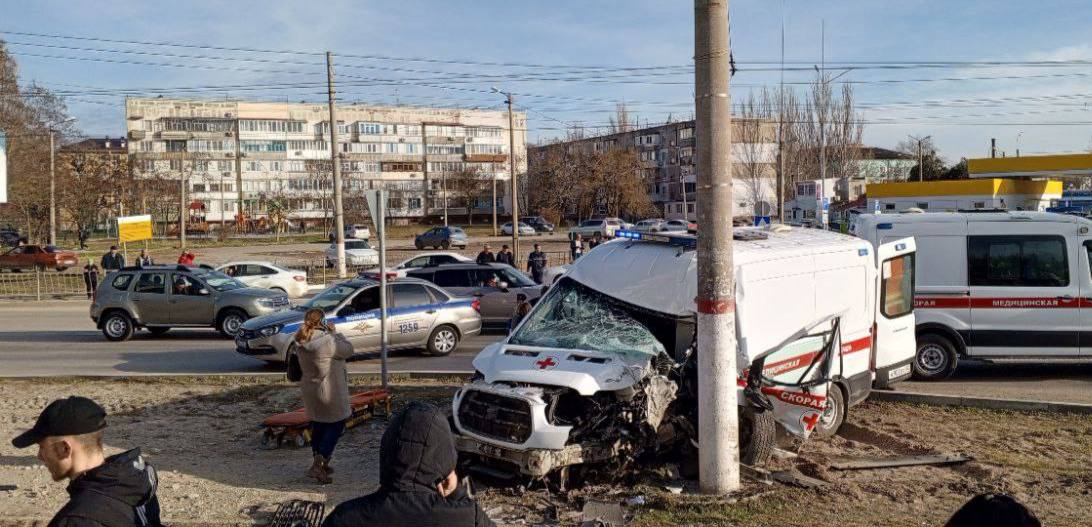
[
  {"x": 621, "y": 121},
  {"x": 754, "y": 133},
  {"x": 466, "y": 186}
]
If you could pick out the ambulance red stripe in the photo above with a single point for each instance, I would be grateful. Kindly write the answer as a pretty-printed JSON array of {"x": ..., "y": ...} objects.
[{"x": 1000, "y": 303}]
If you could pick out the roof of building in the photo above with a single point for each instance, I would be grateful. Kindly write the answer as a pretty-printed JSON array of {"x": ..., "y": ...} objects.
[
  {"x": 98, "y": 145},
  {"x": 875, "y": 152},
  {"x": 963, "y": 187}
]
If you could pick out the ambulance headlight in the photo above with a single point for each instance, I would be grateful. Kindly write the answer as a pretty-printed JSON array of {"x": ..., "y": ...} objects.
[{"x": 269, "y": 331}]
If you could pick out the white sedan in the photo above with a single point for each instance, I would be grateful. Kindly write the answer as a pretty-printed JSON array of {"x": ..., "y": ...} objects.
[
  {"x": 357, "y": 252},
  {"x": 524, "y": 229},
  {"x": 430, "y": 259},
  {"x": 268, "y": 276}
]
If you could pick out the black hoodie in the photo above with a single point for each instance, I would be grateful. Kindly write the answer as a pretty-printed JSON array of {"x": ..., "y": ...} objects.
[
  {"x": 118, "y": 493},
  {"x": 416, "y": 453}
]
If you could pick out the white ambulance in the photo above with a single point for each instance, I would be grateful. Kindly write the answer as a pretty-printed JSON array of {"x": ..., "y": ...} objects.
[
  {"x": 994, "y": 284},
  {"x": 602, "y": 372}
]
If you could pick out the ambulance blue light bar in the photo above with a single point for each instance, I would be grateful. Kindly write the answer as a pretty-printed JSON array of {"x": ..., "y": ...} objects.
[{"x": 685, "y": 241}]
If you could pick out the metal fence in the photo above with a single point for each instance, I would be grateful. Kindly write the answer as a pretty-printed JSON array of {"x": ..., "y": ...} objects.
[{"x": 50, "y": 284}]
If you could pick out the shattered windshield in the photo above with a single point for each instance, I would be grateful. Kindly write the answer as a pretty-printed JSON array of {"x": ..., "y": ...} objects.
[{"x": 573, "y": 316}]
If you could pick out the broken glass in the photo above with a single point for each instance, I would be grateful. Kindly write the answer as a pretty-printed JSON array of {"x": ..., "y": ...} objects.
[{"x": 573, "y": 316}]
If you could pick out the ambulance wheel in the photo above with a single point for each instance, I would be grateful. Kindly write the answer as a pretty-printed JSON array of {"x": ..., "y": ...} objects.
[
  {"x": 834, "y": 413},
  {"x": 935, "y": 359},
  {"x": 757, "y": 435}
]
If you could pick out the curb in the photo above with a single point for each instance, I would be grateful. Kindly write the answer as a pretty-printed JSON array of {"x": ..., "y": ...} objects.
[{"x": 981, "y": 402}]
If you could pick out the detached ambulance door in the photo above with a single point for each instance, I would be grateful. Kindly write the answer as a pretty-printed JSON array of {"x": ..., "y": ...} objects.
[
  {"x": 893, "y": 344},
  {"x": 1084, "y": 270},
  {"x": 1024, "y": 289}
]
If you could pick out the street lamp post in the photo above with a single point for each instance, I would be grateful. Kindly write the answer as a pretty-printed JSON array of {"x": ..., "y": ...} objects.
[{"x": 511, "y": 177}]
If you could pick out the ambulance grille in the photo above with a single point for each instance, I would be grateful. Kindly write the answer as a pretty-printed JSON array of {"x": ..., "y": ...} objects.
[{"x": 496, "y": 416}]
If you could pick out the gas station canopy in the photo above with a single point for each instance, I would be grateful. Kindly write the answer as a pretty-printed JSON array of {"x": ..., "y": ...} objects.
[{"x": 1053, "y": 166}]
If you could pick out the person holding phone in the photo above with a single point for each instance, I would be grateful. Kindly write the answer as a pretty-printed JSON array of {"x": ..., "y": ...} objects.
[{"x": 324, "y": 386}]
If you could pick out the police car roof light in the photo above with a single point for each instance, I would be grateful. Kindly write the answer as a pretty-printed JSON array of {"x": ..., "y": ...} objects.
[{"x": 685, "y": 241}]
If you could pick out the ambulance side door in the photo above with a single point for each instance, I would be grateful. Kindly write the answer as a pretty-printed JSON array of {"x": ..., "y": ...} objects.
[
  {"x": 1024, "y": 288},
  {"x": 894, "y": 344}
]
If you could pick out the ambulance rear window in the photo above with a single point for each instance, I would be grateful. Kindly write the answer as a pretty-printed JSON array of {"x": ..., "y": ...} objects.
[{"x": 897, "y": 295}]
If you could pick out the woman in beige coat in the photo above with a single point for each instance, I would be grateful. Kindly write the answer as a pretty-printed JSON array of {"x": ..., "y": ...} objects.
[{"x": 324, "y": 387}]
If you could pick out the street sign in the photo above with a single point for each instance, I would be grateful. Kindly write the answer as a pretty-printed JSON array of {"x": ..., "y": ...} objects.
[
  {"x": 372, "y": 199},
  {"x": 134, "y": 228}
]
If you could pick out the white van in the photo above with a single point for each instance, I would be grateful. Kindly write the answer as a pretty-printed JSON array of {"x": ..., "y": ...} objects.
[
  {"x": 603, "y": 371},
  {"x": 994, "y": 284}
]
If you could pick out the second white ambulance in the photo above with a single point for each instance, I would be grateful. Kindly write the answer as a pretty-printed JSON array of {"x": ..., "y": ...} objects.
[{"x": 994, "y": 284}]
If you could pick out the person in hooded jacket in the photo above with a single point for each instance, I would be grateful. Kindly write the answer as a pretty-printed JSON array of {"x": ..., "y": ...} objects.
[
  {"x": 417, "y": 481},
  {"x": 115, "y": 491},
  {"x": 324, "y": 387}
]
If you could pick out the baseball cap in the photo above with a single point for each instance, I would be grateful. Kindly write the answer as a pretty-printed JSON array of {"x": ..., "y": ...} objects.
[{"x": 64, "y": 417}]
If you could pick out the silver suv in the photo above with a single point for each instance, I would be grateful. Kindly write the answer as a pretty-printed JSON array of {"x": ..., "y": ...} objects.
[{"x": 160, "y": 297}]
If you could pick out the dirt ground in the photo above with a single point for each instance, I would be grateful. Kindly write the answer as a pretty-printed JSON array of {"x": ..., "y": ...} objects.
[{"x": 201, "y": 434}]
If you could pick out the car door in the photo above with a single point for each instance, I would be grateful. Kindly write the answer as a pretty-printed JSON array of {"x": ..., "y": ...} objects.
[
  {"x": 894, "y": 341},
  {"x": 149, "y": 298},
  {"x": 263, "y": 276},
  {"x": 188, "y": 306},
  {"x": 358, "y": 320},
  {"x": 497, "y": 303},
  {"x": 1024, "y": 292},
  {"x": 416, "y": 263},
  {"x": 410, "y": 316},
  {"x": 1085, "y": 278}
]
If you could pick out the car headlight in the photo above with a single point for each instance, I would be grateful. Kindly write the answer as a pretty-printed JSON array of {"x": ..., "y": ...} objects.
[
  {"x": 267, "y": 302},
  {"x": 269, "y": 331}
]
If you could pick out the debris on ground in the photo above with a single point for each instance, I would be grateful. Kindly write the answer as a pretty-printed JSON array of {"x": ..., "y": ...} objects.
[{"x": 898, "y": 461}]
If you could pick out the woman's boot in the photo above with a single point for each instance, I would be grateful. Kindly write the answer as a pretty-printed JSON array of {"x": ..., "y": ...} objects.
[
  {"x": 318, "y": 470},
  {"x": 326, "y": 465}
]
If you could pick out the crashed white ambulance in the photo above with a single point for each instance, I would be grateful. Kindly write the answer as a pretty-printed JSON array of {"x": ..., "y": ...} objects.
[{"x": 602, "y": 373}]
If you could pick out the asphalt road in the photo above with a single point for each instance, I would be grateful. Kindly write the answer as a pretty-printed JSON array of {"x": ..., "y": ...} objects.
[{"x": 58, "y": 338}]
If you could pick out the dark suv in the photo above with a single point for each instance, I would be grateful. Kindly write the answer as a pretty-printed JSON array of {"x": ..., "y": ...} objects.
[
  {"x": 495, "y": 285},
  {"x": 160, "y": 297},
  {"x": 538, "y": 223}
]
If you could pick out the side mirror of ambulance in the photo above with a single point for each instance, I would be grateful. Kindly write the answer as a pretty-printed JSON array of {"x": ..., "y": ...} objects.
[{"x": 503, "y": 286}]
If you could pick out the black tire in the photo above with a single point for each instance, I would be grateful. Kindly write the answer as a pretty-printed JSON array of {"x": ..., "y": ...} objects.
[
  {"x": 117, "y": 326},
  {"x": 757, "y": 435},
  {"x": 833, "y": 415},
  {"x": 157, "y": 332},
  {"x": 935, "y": 358},
  {"x": 230, "y": 321},
  {"x": 443, "y": 340},
  {"x": 445, "y": 244}
]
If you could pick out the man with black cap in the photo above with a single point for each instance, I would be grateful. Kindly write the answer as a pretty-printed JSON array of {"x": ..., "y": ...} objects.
[
  {"x": 417, "y": 481},
  {"x": 115, "y": 491},
  {"x": 113, "y": 260}
]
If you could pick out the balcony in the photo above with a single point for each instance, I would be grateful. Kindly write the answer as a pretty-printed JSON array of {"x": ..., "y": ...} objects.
[{"x": 484, "y": 158}]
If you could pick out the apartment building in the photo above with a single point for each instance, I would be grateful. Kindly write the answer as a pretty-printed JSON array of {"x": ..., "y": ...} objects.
[
  {"x": 668, "y": 153},
  {"x": 232, "y": 152}
]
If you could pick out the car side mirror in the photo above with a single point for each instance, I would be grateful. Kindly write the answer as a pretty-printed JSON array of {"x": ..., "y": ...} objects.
[
  {"x": 203, "y": 292},
  {"x": 503, "y": 286}
]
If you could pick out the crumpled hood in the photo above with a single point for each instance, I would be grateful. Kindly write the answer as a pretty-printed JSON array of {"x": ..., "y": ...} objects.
[
  {"x": 586, "y": 372},
  {"x": 125, "y": 477}
]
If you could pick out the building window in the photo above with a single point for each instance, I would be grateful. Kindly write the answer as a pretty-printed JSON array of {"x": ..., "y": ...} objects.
[
  {"x": 176, "y": 164},
  {"x": 262, "y": 146},
  {"x": 686, "y": 133},
  {"x": 147, "y": 165},
  {"x": 223, "y": 166},
  {"x": 147, "y": 146},
  {"x": 1017, "y": 261},
  {"x": 484, "y": 149},
  {"x": 690, "y": 208},
  {"x": 293, "y": 166},
  {"x": 276, "y": 166},
  {"x": 888, "y": 206},
  {"x": 980, "y": 204},
  {"x": 176, "y": 146},
  {"x": 922, "y": 205},
  {"x": 412, "y": 148},
  {"x": 253, "y": 166},
  {"x": 200, "y": 166},
  {"x": 369, "y": 128},
  {"x": 414, "y": 203}
]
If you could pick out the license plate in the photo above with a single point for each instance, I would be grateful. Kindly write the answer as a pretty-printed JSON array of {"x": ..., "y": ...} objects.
[{"x": 901, "y": 371}]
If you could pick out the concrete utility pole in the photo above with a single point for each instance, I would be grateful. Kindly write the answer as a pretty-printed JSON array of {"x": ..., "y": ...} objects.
[
  {"x": 781, "y": 127},
  {"x": 182, "y": 207},
  {"x": 718, "y": 421},
  {"x": 339, "y": 218},
  {"x": 52, "y": 192},
  {"x": 238, "y": 176},
  {"x": 512, "y": 180}
]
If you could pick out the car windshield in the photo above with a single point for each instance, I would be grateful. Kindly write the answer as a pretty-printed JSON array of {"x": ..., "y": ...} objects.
[
  {"x": 329, "y": 298},
  {"x": 456, "y": 230},
  {"x": 515, "y": 278},
  {"x": 576, "y": 317},
  {"x": 357, "y": 244},
  {"x": 220, "y": 281}
]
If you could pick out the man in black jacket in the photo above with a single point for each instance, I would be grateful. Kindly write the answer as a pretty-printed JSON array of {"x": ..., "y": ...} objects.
[
  {"x": 536, "y": 264},
  {"x": 417, "y": 481},
  {"x": 115, "y": 491},
  {"x": 505, "y": 256},
  {"x": 486, "y": 256},
  {"x": 113, "y": 260}
]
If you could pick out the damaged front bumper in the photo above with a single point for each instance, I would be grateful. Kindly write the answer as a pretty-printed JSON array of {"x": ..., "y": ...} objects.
[{"x": 537, "y": 463}]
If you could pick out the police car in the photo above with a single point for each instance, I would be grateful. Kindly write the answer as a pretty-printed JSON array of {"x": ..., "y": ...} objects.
[
  {"x": 419, "y": 315},
  {"x": 603, "y": 370}
]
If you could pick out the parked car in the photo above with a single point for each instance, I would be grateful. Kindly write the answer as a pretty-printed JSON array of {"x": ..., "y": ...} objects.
[
  {"x": 538, "y": 223},
  {"x": 431, "y": 259},
  {"x": 268, "y": 276},
  {"x": 38, "y": 256},
  {"x": 678, "y": 226},
  {"x": 441, "y": 237},
  {"x": 161, "y": 297},
  {"x": 359, "y": 232},
  {"x": 419, "y": 315},
  {"x": 357, "y": 252},
  {"x": 650, "y": 225},
  {"x": 588, "y": 228},
  {"x": 496, "y": 285},
  {"x": 524, "y": 229}
]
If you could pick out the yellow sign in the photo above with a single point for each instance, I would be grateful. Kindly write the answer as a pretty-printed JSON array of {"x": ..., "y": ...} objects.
[{"x": 134, "y": 228}]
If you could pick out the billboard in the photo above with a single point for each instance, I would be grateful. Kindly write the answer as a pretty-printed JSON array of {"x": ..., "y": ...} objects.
[{"x": 3, "y": 168}]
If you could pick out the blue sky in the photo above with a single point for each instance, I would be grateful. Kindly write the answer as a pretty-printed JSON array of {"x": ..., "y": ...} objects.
[{"x": 569, "y": 35}]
